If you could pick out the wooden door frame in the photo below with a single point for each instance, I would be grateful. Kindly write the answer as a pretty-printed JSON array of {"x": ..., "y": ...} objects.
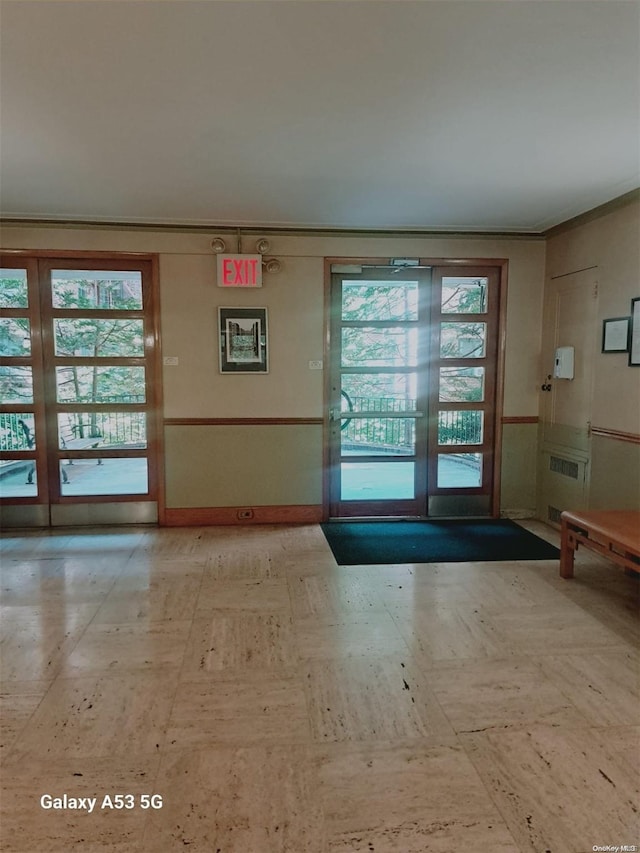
[
  {"x": 32, "y": 259},
  {"x": 502, "y": 266}
]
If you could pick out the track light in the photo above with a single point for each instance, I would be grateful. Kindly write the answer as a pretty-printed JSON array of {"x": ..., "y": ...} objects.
[{"x": 218, "y": 245}]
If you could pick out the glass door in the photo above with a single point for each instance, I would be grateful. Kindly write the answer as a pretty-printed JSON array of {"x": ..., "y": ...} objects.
[
  {"x": 413, "y": 367},
  {"x": 82, "y": 447},
  {"x": 378, "y": 392},
  {"x": 462, "y": 369}
]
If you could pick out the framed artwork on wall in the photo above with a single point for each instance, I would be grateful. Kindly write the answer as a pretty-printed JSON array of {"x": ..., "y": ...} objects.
[
  {"x": 615, "y": 334},
  {"x": 634, "y": 334},
  {"x": 243, "y": 338}
]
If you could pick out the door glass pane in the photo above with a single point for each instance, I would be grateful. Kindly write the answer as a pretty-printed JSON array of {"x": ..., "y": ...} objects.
[
  {"x": 16, "y": 384},
  {"x": 459, "y": 470},
  {"x": 13, "y": 288},
  {"x": 378, "y": 392},
  {"x": 370, "y": 481},
  {"x": 461, "y": 384},
  {"x": 371, "y": 347},
  {"x": 377, "y": 300},
  {"x": 18, "y": 478},
  {"x": 460, "y": 427},
  {"x": 101, "y": 338},
  {"x": 393, "y": 436},
  {"x": 93, "y": 430},
  {"x": 15, "y": 336},
  {"x": 17, "y": 431},
  {"x": 100, "y": 384},
  {"x": 464, "y": 295},
  {"x": 87, "y": 289},
  {"x": 462, "y": 340},
  {"x": 104, "y": 477}
]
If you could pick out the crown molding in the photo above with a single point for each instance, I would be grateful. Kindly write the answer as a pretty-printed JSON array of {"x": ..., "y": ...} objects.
[{"x": 595, "y": 213}]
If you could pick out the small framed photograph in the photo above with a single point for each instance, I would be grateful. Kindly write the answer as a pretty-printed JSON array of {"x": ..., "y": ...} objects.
[
  {"x": 243, "y": 335},
  {"x": 615, "y": 334},
  {"x": 634, "y": 333}
]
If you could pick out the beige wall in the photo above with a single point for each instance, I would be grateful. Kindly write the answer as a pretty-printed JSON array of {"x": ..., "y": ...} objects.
[
  {"x": 606, "y": 248},
  {"x": 198, "y": 458}
]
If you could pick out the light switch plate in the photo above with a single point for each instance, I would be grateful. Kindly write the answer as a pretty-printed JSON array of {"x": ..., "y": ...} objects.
[
  {"x": 315, "y": 365},
  {"x": 170, "y": 360}
]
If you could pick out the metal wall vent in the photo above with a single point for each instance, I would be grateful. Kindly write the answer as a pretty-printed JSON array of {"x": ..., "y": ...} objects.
[
  {"x": 554, "y": 514},
  {"x": 564, "y": 467}
]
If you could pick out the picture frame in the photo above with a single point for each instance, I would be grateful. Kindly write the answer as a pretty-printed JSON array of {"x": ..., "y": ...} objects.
[
  {"x": 615, "y": 334},
  {"x": 243, "y": 340},
  {"x": 634, "y": 333}
]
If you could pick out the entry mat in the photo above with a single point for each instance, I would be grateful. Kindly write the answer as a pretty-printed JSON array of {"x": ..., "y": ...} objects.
[{"x": 357, "y": 543}]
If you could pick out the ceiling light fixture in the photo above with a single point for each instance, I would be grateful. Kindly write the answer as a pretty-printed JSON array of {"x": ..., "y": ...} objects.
[
  {"x": 263, "y": 246},
  {"x": 218, "y": 245}
]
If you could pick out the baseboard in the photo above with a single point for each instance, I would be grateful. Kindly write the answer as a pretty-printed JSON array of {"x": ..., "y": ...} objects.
[
  {"x": 515, "y": 514},
  {"x": 218, "y": 515}
]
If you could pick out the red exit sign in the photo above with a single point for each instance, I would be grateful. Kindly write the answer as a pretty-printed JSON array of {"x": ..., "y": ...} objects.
[{"x": 239, "y": 270}]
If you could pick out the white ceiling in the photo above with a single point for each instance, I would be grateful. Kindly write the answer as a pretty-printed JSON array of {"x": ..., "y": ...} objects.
[{"x": 512, "y": 115}]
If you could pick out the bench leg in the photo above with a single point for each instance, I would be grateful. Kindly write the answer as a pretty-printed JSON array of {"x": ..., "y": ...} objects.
[{"x": 567, "y": 551}]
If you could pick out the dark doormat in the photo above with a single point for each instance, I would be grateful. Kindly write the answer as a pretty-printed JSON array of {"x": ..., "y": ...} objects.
[{"x": 357, "y": 543}]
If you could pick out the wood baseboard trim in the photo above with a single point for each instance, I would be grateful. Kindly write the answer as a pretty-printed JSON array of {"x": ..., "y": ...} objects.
[
  {"x": 223, "y": 515},
  {"x": 631, "y": 437}
]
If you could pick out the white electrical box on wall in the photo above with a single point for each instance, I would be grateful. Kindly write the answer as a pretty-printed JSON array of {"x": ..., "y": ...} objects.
[{"x": 564, "y": 363}]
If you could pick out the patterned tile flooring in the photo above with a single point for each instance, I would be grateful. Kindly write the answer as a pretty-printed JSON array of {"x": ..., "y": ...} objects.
[{"x": 264, "y": 699}]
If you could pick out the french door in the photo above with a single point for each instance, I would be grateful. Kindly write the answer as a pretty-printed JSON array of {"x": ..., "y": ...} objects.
[
  {"x": 412, "y": 390},
  {"x": 79, "y": 390}
]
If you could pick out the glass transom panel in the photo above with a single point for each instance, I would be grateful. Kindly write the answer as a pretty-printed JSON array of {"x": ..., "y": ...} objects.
[
  {"x": 464, "y": 295},
  {"x": 97, "y": 289},
  {"x": 13, "y": 288},
  {"x": 375, "y": 300}
]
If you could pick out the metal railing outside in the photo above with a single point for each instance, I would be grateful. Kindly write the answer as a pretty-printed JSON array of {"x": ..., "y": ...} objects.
[
  {"x": 113, "y": 428},
  {"x": 397, "y": 435},
  {"x": 12, "y": 434}
]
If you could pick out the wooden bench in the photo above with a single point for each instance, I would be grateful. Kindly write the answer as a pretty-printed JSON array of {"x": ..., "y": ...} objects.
[
  {"x": 612, "y": 533},
  {"x": 69, "y": 440}
]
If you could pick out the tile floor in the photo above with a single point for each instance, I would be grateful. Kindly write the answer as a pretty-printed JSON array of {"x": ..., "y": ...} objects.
[{"x": 277, "y": 702}]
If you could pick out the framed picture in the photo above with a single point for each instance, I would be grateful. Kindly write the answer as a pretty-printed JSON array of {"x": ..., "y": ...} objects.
[
  {"x": 243, "y": 340},
  {"x": 615, "y": 334},
  {"x": 634, "y": 333}
]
